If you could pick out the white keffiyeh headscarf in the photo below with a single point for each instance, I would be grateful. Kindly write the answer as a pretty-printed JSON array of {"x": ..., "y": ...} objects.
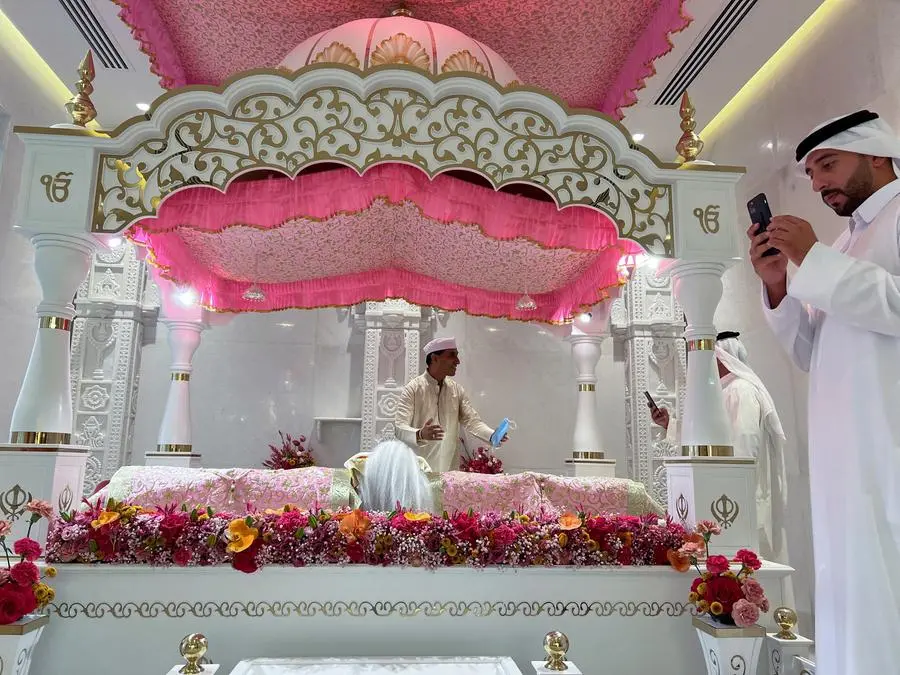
[{"x": 873, "y": 137}]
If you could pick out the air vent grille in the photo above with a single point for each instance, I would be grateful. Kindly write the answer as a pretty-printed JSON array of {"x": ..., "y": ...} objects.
[
  {"x": 711, "y": 42},
  {"x": 104, "y": 48}
]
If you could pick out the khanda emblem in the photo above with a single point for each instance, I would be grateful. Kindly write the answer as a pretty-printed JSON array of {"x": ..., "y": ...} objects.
[
  {"x": 681, "y": 508},
  {"x": 57, "y": 187},
  {"x": 709, "y": 218},
  {"x": 13, "y": 501},
  {"x": 725, "y": 510},
  {"x": 65, "y": 499}
]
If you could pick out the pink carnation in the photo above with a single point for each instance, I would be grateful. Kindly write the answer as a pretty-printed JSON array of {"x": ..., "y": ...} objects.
[
  {"x": 693, "y": 548},
  {"x": 744, "y": 613},
  {"x": 4, "y": 576},
  {"x": 182, "y": 557},
  {"x": 753, "y": 591},
  {"x": 717, "y": 564},
  {"x": 29, "y": 549},
  {"x": 708, "y": 527},
  {"x": 764, "y": 605},
  {"x": 5, "y": 528},
  {"x": 25, "y": 574},
  {"x": 40, "y": 508}
]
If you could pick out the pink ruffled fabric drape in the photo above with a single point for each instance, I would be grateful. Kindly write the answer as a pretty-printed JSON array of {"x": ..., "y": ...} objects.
[{"x": 334, "y": 239}]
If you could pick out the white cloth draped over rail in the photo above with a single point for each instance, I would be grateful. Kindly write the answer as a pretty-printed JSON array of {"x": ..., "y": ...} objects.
[
  {"x": 424, "y": 399},
  {"x": 841, "y": 322}
]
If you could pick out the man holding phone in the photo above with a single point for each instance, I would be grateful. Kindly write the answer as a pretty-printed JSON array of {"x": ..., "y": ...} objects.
[{"x": 838, "y": 318}]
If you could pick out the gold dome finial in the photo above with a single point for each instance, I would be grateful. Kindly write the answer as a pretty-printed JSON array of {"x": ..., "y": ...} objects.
[
  {"x": 401, "y": 10},
  {"x": 786, "y": 618},
  {"x": 193, "y": 648},
  {"x": 556, "y": 644},
  {"x": 690, "y": 145},
  {"x": 80, "y": 107}
]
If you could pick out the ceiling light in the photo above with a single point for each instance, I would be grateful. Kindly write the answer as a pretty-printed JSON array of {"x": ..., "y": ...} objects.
[
  {"x": 585, "y": 318},
  {"x": 143, "y": 107},
  {"x": 770, "y": 145},
  {"x": 637, "y": 138},
  {"x": 254, "y": 294},
  {"x": 526, "y": 303},
  {"x": 114, "y": 242},
  {"x": 285, "y": 324},
  {"x": 187, "y": 296}
]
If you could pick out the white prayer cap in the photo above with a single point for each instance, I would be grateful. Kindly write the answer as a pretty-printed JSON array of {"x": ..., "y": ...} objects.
[
  {"x": 730, "y": 344},
  {"x": 863, "y": 132},
  {"x": 439, "y": 345}
]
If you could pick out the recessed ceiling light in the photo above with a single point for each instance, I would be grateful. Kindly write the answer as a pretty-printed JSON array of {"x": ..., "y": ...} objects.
[
  {"x": 770, "y": 145},
  {"x": 637, "y": 138},
  {"x": 143, "y": 107}
]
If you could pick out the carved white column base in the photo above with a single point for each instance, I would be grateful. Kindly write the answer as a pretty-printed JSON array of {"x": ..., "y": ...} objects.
[
  {"x": 728, "y": 649},
  {"x": 206, "y": 669},
  {"x": 17, "y": 643},
  {"x": 721, "y": 489},
  {"x": 782, "y": 654},
  {"x": 53, "y": 473},
  {"x": 185, "y": 460},
  {"x": 541, "y": 669},
  {"x": 592, "y": 468}
]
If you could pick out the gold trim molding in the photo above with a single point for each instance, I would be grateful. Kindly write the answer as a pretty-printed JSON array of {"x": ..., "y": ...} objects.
[
  {"x": 175, "y": 447},
  {"x": 40, "y": 437},
  {"x": 587, "y": 387},
  {"x": 701, "y": 345},
  {"x": 366, "y": 609},
  {"x": 588, "y": 454},
  {"x": 728, "y": 631},
  {"x": 24, "y": 627},
  {"x": 707, "y": 451},
  {"x": 55, "y": 323},
  {"x": 181, "y": 377}
]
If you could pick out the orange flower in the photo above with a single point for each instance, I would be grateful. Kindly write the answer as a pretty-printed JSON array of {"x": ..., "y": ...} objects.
[
  {"x": 626, "y": 538},
  {"x": 563, "y": 539},
  {"x": 417, "y": 517},
  {"x": 241, "y": 536},
  {"x": 716, "y": 607},
  {"x": 678, "y": 560},
  {"x": 105, "y": 518},
  {"x": 569, "y": 521},
  {"x": 354, "y": 525}
]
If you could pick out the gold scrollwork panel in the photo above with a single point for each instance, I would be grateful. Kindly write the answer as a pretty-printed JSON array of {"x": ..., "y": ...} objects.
[{"x": 274, "y": 131}]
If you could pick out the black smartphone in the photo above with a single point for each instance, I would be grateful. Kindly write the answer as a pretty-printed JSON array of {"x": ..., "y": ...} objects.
[
  {"x": 651, "y": 402},
  {"x": 761, "y": 216}
]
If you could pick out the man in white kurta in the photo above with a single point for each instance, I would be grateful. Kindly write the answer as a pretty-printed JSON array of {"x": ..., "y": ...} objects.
[
  {"x": 432, "y": 407},
  {"x": 839, "y": 319},
  {"x": 756, "y": 432}
]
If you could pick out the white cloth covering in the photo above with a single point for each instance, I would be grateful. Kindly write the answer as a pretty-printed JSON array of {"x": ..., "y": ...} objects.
[{"x": 841, "y": 322}]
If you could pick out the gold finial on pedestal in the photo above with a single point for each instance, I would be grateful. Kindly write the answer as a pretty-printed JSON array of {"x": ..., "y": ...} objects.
[
  {"x": 786, "y": 618},
  {"x": 193, "y": 648},
  {"x": 556, "y": 645},
  {"x": 80, "y": 107},
  {"x": 689, "y": 145},
  {"x": 401, "y": 10}
]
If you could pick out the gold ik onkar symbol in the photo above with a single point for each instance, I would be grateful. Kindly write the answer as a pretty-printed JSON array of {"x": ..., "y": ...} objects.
[
  {"x": 709, "y": 218},
  {"x": 57, "y": 187}
]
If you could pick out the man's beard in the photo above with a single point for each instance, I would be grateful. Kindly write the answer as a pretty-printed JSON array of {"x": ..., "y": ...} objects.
[{"x": 860, "y": 186}]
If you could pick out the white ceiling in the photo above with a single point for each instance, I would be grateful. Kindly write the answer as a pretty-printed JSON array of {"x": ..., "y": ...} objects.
[{"x": 51, "y": 32}]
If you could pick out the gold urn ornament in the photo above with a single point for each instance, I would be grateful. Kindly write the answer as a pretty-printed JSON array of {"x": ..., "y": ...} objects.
[
  {"x": 80, "y": 107},
  {"x": 556, "y": 644},
  {"x": 786, "y": 618},
  {"x": 690, "y": 145},
  {"x": 193, "y": 648}
]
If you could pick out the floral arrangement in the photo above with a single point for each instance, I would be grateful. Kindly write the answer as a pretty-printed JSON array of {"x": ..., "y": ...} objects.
[
  {"x": 729, "y": 597},
  {"x": 291, "y": 455},
  {"x": 481, "y": 461},
  {"x": 22, "y": 590},
  {"x": 194, "y": 536}
]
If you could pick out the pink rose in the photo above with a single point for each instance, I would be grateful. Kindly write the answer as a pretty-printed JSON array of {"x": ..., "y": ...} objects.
[
  {"x": 5, "y": 528},
  {"x": 40, "y": 508},
  {"x": 182, "y": 557},
  {"x": 25, "y": 574},
  {"x": 753, "y": 591},
  {"x": 717, "y": 564},
  {"x": 708, "y": 527},
  {"x": 29, "y": 549},
  {"x": 744, "y": 613}
]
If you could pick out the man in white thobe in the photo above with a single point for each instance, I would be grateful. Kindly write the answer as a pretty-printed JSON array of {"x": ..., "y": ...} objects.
[
  {"x": 756, "y": 432},
  {"x": 432, "y": 407},
  {"x": 839, "y": 319}
]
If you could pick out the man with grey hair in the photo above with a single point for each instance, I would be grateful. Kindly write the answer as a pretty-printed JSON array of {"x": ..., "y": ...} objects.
[{"x": 838, "y": 318}]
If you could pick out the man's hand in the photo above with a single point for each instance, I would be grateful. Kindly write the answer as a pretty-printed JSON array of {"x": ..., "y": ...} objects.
[
  {"x": 792, "y": 236},
  {"x": 431, "y": 432},
  {"x": 659, "y": 416},
  {"x": 504, "y": 439}
]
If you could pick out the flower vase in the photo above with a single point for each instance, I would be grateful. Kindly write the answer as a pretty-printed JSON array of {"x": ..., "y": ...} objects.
[
  {"x": 729, "y": 649},
  {"x": 18, "y": 640}
]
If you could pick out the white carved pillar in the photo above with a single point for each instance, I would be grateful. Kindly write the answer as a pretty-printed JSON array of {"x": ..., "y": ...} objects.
[
  {"x": 705, "y": 429},
  {"x": 43, "y": 412}
]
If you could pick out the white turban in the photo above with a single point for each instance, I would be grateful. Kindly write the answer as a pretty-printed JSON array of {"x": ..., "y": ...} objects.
[
  {"x": 863, "y": 133},
  {"x": 439, "y": 345}
]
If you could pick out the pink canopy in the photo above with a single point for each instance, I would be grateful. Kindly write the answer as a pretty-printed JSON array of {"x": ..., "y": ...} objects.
[{"x": 333, "y": 238}]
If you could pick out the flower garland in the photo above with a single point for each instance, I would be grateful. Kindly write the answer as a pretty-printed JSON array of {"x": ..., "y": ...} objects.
[
  {"x": 22, "y": 589},
  {"x": 126, "y": 534}
]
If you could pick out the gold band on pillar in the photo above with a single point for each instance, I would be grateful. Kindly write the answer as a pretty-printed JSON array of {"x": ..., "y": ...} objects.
[
  {"x": 707, "y": 451},
  {"x": 181, "y": 377},
  {"x": 174, "y": 447},
  {"x": 587, "y": 387},
  {"x": 701, "y": 345},
  {"x": 40, "y": 438},
  {"x": 588, "y": 454},
  {"x": 55, "y": 323}
]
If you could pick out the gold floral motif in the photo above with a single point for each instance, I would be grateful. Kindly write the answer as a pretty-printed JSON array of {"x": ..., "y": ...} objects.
[
  {"x": 463, "y": 62},
  {"x": 275, "y": 132},
  {"x": 368, "y": 609},
  {"x": 337, "y": 53},
  {"x": 400, "y": 49}
]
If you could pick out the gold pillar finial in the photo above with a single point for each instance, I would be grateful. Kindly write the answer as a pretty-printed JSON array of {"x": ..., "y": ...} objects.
[
  {"x": 401, "y": 10},
  {"x": 80, "y": 107},
  {"x": 689, "y": 145},
  {"x": 556, "y": 645}
]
